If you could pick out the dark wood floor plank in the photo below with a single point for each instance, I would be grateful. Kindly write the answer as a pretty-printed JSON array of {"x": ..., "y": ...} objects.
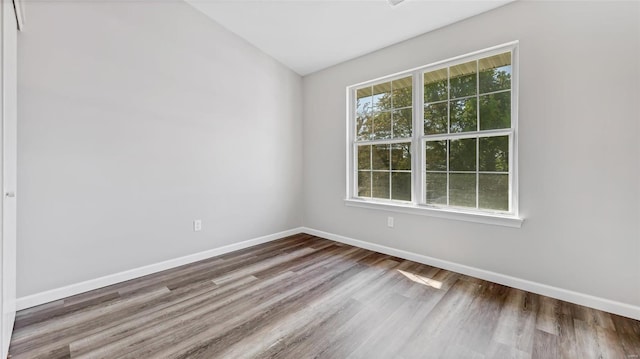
[
  {"x": 444, "y": 321},
  {"x": 517, "y": 323},
  {"x": 547, "y": 318},
  {"x": 593, "y": 317},
  {"x": 545, "y": 345},
  {"x": 501, "y": 351},
  {"x": 628, "y": 333},
  {"x": 311, "y": 338},
  {"x": 158, "y": 315},
  {"x": 308, "y": 297},
  {"x": 194, "y": 321},
  {"x": 198, "y": 271},
  {"x": 50, "y": 335},
  {"x": 479, "y": 327},
  {"x": 268, "y": 246},
  {"x": 83, "y": 315},
  {"x": 347, "y": 338},
  {"x": 39, "y": 310},
  {"x": 313, "y": 306},
  {"x": 188, "y": 315},
  {"x": 66, "y": 309},
  {"x": 303, "y": 340},
  {"x": 312, "y": 284},
  {"x": 423, "y": 298},
  {"x": 568, "y": 346}
]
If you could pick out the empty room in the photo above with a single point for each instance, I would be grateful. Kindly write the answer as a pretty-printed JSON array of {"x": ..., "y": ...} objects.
[{"x": 372, "y": 179}]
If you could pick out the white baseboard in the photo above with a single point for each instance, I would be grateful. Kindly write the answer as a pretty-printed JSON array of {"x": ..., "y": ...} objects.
[
  {"x": 73, "y": 289},
  {"x": 587, "y": 300}
]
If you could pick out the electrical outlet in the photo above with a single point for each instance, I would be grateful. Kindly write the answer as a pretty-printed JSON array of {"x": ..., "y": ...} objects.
[
  {"x": 390, "y": 222},
  {"x": 197, "y": 225}
]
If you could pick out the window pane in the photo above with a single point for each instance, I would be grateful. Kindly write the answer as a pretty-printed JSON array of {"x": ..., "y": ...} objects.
[
  {"x": 495, "y": 73},
  {"x": 401, "y": 156},
  {"x": 435, "y": 85},
  {"x": 380, "y": 157},
  {"x": 462, "y": 189},
  {"x": 435, "y": 118},
  {"x": 364, "y": 101},
  {"x": 363, "y": 127},
  {"x": 402, "y": 123},
  {"x": 402, "y": 92},
  {"x": 436, "y": 188},
  {"x": 380, "y": 184},
  {"x": 436, "y": 155},
  {"x": 494, "y": 154},
  {"x": 495, "y": 111},
  {"x": 494, "y": 191},
  {"x": 382, "y": 96},
  {"x": 381, "y": 125},
  {"x": 462, "y": 155},
  {"x": 401, "y": 186},
  {"x": 464, "y": 115},
  {"x": 463, "y": 80},
  {"x": 364, "y": 157},
  {"x": 364, "y": 184}
]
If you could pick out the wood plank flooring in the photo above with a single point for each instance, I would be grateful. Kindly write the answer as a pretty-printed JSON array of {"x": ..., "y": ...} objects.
[{"x": 308, "y": 297}]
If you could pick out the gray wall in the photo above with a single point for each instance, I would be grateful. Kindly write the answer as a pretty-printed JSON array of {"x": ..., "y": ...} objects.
[
  {"x": 579, "y": 149},
  {"x": 136, "y": 119}
]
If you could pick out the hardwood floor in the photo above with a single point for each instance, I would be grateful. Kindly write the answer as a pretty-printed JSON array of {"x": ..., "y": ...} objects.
[{"x": 305, "y": 297}]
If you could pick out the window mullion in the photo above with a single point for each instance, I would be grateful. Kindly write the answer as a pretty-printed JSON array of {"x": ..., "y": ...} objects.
[
  {"x": 385, "y": 141},
  {"x": 463, "y": 135},
  {"x": 389, "y": 153},
  {"x": 477, "y": 173},
  {"x": 352, "y": 164},
  {"x": 417, "y": 150},
  {"x": 448, "y": 125},
  {"x": 513, "y": 138},
  {"x": 477, "y": 139},
  {"x": 371, "y": 171}
]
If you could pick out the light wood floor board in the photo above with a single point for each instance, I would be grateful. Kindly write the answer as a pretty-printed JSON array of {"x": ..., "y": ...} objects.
[{"x": 309, "y": 297}]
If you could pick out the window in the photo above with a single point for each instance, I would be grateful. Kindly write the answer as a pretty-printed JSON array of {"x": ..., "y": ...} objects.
[
  {"x": 383, "y": 137},
  {"x": 438, "y": 139}
]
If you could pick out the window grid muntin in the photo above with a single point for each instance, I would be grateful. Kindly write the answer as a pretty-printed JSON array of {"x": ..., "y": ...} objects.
[
  {"x": 372, "y": 111},
  {"x": 478, "y": 139},
  {"x": 390, "y": 170},
  {"x": 477, "y": 171}
]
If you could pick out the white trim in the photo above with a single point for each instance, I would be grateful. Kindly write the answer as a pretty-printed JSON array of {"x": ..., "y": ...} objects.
[
  {"x": 514, "y": 196},
  {"x": 77, "y": 288},
  {"x": 506, "y": 220},
  {"x": 474, "y": 134},
  {"x": 384, "y": 142},
  {"x": 607, "y": 305},
  {"x": 418, "y": 204}
]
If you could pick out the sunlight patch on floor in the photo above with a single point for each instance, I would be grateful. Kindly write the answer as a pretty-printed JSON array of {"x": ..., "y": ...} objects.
[{"x": 422, "y": 280}]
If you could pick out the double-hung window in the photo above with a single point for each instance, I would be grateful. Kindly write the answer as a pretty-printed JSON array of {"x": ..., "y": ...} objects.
[{"x": 440, "y": 139}]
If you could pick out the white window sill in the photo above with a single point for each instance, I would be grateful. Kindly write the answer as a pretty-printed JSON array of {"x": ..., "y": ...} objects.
[{"x": 477, "y": 217}]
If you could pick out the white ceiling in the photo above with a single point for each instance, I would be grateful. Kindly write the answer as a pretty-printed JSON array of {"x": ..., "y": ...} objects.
[{"x": 310, "y": 35}]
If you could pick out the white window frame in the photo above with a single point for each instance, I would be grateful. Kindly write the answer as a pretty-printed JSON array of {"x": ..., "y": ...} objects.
[{"x": 417, "y": 204}]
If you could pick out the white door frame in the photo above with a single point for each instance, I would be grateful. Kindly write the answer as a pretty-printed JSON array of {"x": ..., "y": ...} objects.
[{"x": 11, "y": 19}]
